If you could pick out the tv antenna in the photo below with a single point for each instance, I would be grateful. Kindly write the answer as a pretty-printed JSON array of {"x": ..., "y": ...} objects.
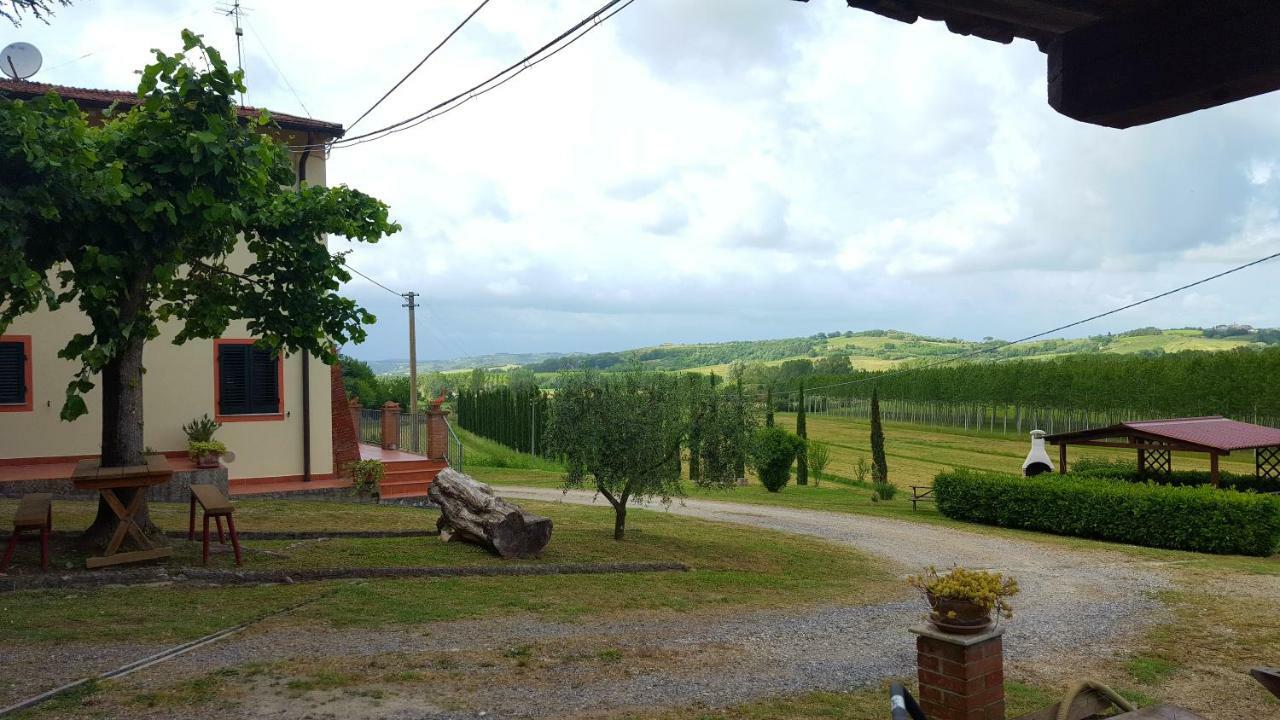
[
  {"x": 20, "y": 60},
  {"x": 236, "y": 12}
]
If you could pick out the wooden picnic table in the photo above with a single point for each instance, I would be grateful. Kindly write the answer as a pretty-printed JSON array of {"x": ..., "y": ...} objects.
[{"x": 89, "y": 476}]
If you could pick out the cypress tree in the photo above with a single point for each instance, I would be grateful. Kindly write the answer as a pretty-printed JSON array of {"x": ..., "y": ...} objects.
[
  {"x": 768, "y": 405},
  {"x": 802, "y": 457},
  {"x": 740, "y": 428},
  {"x": 695, "y": 430},
  {"x": 879, "y": 466}
]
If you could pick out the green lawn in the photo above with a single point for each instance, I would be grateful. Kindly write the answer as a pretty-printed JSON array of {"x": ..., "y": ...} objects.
[{"x": 732, "y": 566}]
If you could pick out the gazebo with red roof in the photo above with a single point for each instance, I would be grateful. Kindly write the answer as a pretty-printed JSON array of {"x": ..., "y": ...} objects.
[{"x": 1156, "y": 440}]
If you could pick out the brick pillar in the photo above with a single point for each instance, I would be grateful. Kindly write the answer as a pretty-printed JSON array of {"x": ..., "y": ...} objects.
[
  {"x": 437, "y": 433},
  {"x": 961, "y": 676},
  {"x": 390, "y": 425}
]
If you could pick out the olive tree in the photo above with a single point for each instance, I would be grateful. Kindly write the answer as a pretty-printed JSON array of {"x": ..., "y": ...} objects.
[
  {"x": 618, "y": 434},
  {"x": 134, "y": 220}
]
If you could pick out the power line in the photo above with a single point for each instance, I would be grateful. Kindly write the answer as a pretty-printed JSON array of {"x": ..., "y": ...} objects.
[
  {"x": 420, "y": 64},
  {"x": 257, "y": 38},
  {"x": 590, "y": 22},
  {"x": 1060, "y": 328},
  {"x": 375, "y": 282}
]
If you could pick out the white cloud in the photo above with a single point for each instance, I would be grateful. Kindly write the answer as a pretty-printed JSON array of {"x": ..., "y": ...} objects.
[{"x": 735, "y": 168}]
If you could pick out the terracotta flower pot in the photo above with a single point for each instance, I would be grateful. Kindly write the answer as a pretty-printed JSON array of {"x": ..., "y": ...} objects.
[
  {"x": 960, "y": 617},
  {"x": 207, "y": 460}
]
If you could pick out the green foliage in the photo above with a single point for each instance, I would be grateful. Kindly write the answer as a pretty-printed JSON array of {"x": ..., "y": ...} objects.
[
  {"x": 772, "y": 453},
  {"x": 1236, "y": 383},
  {"x": 198, "y": 448},
  {"x": 818, "y": 454},
  {"x": 883, "y": 491},
  {"x": 861, "y": 470},
  {"x": 1128, "y": 472},
  {"x": 618, "y": 435},
  {"x": 201, "y": 429},
  {"x": 879, "y": 463},
  {"x": 515, "y": 416},
  {"x": 1184, "y": 518},
  {"x": 366, "y": 476},
  {"x": 483, "y": 452},
  {"x": 768, "y": 406},
  {"x": 837, "y": 364},
  {"x": 135, "y": 219},
  {"x": 802, "y": 459}
]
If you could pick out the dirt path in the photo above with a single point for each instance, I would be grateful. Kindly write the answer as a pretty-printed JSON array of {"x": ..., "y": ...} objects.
[{"x": 1077, "y": 606}]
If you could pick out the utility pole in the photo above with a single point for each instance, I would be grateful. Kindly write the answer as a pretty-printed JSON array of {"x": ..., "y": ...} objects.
[
  {"x": 235, "y": 11},
  {"x": 413, "y": 367}
]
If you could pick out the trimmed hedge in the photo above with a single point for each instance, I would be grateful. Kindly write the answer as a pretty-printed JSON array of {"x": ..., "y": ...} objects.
[
  {"x": 1128, "y": 472},
  {"x": 1182, "y": 518}
]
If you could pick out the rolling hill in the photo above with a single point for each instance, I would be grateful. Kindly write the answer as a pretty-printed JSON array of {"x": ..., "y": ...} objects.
[{"x": 866, "y": 350}]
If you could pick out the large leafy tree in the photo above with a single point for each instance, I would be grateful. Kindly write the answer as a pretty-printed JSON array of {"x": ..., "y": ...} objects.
[{"x": 135, "y": 219}]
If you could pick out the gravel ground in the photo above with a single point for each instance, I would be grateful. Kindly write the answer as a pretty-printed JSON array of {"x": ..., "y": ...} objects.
[{"x": 1076, "y": 606}]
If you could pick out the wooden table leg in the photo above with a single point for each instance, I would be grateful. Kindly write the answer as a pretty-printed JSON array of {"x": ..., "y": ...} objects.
[{"x": 128, "y": 525}]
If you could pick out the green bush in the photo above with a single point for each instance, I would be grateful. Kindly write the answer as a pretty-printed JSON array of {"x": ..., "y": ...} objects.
[
  {"x": 884, "y": 491},
  {"x": 366, "y": 476},
  {"x": 1128, "y": 472},
  {"x": 772, "y": 454},
  {"x": 1183, "y": 518}
]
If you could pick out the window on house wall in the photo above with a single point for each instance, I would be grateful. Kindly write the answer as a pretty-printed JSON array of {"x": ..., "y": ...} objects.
[
  {"x": 15, "y": 373},
  {"x": 248, "y": 380}
]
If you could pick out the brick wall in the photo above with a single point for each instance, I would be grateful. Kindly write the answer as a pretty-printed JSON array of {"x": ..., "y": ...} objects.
[{"x": 346, "y": 446}]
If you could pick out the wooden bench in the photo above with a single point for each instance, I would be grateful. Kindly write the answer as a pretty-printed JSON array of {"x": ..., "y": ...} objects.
[
  {"x": 919, "y": 494},
  {"x": 216, "y": 506},
  {"x": 35, "y": 512}
]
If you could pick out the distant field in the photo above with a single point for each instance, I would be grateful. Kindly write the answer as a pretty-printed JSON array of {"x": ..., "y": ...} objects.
[{"x": 916, "y": 454}]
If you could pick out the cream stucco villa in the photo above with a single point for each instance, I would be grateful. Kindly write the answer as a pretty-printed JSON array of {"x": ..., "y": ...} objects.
[{"x": 278, "y": 415}]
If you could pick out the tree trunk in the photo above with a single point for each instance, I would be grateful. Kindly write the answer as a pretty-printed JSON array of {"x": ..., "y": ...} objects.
[
  {"x": 619, "y": 521},
  {"x": 122, "y": 438},
  {"x": 470, "y": 511}
]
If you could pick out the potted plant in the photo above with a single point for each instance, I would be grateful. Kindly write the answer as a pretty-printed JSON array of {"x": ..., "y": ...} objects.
[
  {"x": 366, "y": 477},
  {"x": 201, "y": 447},
  {"x": 963, "y": 601}
]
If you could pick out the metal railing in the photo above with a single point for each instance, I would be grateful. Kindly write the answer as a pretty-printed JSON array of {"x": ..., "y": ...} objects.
[
  {"x": 455, "y": 453},
  {"x": 370, "y": 429},
  {"x": 413, "y": 433}
]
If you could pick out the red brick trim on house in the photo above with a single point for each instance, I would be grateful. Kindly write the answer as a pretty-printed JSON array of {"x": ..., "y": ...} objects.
[
  {"x": 217, "y": 387},
  {"x": 28, "y": 369},
  {"x": 346, "y": 445}
]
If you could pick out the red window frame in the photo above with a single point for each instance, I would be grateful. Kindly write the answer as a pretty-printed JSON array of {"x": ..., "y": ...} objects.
[
  {"x": 27, "y": 375},
  {"x": 217, "y": 387}
]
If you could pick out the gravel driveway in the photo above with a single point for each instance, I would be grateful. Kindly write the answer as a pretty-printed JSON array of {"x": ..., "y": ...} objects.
[{"x": 1075, "y": 606}]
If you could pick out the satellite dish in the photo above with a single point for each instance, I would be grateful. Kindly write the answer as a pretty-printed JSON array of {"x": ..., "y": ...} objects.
[{"x": 20, "y": 60}]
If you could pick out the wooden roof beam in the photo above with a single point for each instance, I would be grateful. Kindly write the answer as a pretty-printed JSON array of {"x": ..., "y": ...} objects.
[{"x": 1174, "y": 58}]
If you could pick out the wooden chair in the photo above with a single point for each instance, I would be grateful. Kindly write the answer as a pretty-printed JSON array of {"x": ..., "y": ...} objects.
[
  {"x": 35, "y": 512},
  {"x": 216, "y": 506}
]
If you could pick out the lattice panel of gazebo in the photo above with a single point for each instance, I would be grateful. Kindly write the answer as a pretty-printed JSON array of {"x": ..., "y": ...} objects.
[
  {"x": 1159, "y": 461},
  {"x": 1268, "y": 460}
]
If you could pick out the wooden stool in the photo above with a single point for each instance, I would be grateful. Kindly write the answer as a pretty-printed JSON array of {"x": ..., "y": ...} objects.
[
  {"x": 216, "y": 506},
  {"x": 35, "y": 512}
]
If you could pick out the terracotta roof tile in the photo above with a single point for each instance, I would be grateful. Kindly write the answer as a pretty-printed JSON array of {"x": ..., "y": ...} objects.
[
  {"x": 1213, "y": 431},
  {"x": 102, "y": 98}
]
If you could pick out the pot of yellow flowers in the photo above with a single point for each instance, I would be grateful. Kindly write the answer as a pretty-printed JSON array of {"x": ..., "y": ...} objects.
[{"x": 963, "y": 601}]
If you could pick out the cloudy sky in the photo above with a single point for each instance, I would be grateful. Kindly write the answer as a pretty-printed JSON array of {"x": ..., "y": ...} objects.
[{"x": 701, "y": 170}]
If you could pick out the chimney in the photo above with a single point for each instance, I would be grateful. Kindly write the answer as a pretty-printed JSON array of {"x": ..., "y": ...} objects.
[{"x": 1037, "y": 461}]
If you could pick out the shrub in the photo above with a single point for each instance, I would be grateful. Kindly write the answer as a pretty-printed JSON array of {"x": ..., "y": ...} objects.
[
  {"x": 772, "y": 454},
  {"x": 1183, "y": 518},
  {"x": 366, "y": 476},
  {"x": 861, "y": 470},
  {"x": 819, "y": 456},
  {"x": 1128, "y": 472},
  {"x": 201, "y": 429},
  {"x": 196, "y": 448},
  {"x": 884, "y": 491},
  {"x": 982, "y": 588}
]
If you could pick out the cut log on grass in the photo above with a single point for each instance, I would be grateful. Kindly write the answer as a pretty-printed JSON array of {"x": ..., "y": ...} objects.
[{"x": 470, "y": 511}]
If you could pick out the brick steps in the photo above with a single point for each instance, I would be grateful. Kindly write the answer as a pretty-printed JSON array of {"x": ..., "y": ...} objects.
[{"x": 409, "y": 479}]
